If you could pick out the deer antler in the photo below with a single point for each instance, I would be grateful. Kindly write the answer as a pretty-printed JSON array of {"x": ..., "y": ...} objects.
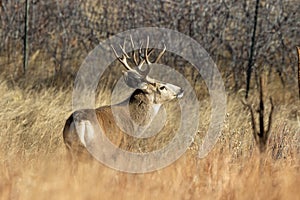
[
  {"x": 160, "y": 54},
  {"x": 124, "y": 57},
  {"x": 144, "y": 58},
  {"x": 147, "y": 54},
  {"x": 133, "y": 52},
  {"x": 140, "y": 60}
]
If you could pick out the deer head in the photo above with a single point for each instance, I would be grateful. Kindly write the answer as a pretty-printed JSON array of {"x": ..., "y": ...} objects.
[{"x": 136, "y": 77}]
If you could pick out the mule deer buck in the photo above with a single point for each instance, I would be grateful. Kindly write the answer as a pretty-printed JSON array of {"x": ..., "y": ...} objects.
[{"x": 143, "y": 104}]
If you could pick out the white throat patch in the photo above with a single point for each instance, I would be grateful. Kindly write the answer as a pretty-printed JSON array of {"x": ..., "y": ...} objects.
[{"x": 156, "y": 108}]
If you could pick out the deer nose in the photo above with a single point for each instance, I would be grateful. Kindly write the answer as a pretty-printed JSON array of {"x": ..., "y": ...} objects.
[{"x": 180, "y": 93}]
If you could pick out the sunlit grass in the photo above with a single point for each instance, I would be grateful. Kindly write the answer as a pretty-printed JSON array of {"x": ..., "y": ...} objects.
[{"x": 34, "y": 166}]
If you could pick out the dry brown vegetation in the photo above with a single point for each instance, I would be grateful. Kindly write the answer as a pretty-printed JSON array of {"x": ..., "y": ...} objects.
[{"x": 33, "y": 163}]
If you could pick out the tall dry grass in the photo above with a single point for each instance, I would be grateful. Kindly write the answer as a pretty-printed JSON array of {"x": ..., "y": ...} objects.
[{"x": 33, "y": 163}]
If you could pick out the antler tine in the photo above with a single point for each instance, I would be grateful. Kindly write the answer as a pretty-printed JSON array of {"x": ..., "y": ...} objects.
[
  {"x": 161, "y": 54},
  {"x": 124, "y": 51},
  {"x": 133, "y": 51},
  {"x": 147, "y": 46},
  {"x": 147, "y": 54},
  {"x": 114, "y": 51},
  {"x": 142, "y": 62},
  {"x": 140, "y": 65},
  {"x": 122, "y": 59},
  {"x": 140, "y": 51}
]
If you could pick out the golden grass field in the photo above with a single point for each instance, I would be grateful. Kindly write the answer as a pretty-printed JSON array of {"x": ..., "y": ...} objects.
[{"x": 33, "y": 162}]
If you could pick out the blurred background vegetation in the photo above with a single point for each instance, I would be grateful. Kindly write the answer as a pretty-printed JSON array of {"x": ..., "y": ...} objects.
[{"x": 62, "y": 32}]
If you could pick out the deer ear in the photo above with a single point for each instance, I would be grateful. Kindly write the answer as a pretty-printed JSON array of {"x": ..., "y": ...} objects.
[{"x": 133, "y": 80}]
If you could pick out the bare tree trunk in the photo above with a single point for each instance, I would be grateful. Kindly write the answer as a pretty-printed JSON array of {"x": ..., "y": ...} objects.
[
  {"x": 261, "y": 134},
  {"x": 298, "y": 48},
  {"x": 25, "y": 40},
  {"x": 252, "y": 48},
  {"x": 64, "y": 40}
]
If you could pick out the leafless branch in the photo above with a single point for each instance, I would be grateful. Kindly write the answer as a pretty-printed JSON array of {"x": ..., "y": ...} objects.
[{"x": 260, "y": 135}]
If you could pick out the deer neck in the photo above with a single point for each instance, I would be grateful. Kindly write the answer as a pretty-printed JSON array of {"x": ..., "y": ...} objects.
[{"x": 141, "y": 108}]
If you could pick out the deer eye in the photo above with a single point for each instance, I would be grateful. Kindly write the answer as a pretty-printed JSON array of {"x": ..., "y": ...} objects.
[{"x": 162, "y": 88}]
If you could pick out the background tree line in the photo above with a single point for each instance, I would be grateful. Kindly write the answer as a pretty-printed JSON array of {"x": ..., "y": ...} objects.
[{"x": 64, "y": 31}]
